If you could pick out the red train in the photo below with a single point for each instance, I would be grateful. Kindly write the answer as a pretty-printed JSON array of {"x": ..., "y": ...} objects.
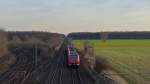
[{"x": 73, "y": 59}]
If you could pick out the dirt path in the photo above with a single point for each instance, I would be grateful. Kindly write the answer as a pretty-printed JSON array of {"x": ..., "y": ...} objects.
[{"x": 114, "y": 76}]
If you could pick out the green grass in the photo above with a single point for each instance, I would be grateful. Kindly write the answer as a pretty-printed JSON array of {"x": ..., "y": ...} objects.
[{"x": 130, "y": 58}]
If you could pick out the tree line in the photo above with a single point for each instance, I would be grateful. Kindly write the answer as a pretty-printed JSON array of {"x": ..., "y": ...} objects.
[{"x": 109, "y": 35}]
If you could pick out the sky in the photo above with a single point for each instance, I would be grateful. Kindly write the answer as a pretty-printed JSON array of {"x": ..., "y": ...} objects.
[{"x": 64, "y": 16}]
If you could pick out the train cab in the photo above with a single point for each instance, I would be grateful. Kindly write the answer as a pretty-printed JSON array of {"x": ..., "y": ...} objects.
[{"x": 73, "y": 59}]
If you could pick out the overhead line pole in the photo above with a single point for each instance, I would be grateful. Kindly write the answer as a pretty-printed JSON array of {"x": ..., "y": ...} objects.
[{"x": 35, "y": 56}]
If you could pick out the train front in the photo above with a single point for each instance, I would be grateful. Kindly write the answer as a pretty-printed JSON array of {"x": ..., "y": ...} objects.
[{"x": 73, "y": 59}]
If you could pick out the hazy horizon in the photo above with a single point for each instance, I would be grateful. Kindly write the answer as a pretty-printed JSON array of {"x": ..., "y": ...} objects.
[{"x": 64, "y": 16}]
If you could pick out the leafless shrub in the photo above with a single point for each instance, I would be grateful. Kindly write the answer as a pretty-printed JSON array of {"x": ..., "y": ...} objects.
[
  {"x": 104, "y": 36},
  {"x": 101, "y": 64}
]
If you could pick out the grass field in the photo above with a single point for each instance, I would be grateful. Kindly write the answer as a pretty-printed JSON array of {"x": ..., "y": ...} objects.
[{"x": 130, "y": 58}]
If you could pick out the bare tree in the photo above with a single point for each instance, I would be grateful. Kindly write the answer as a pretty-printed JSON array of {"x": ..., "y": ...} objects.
[
  {"x": 104, "y": 36},
  {"x": 89, "y": 54}
]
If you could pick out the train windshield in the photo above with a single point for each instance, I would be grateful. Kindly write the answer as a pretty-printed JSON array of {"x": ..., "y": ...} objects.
[{"x": 73, "y": 53}]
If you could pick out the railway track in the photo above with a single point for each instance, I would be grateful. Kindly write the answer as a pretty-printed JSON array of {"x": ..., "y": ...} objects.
[
  {"x": 61, "y": 70},
  {"x": 49, "y": 72},
  {"x": 75, "y": 75},
  {"x": 55, "y": 70},
  {"x": 60, "y": 74},
  {"x": 18, "y": 71},
  {"x": 41, "y": 69}
]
